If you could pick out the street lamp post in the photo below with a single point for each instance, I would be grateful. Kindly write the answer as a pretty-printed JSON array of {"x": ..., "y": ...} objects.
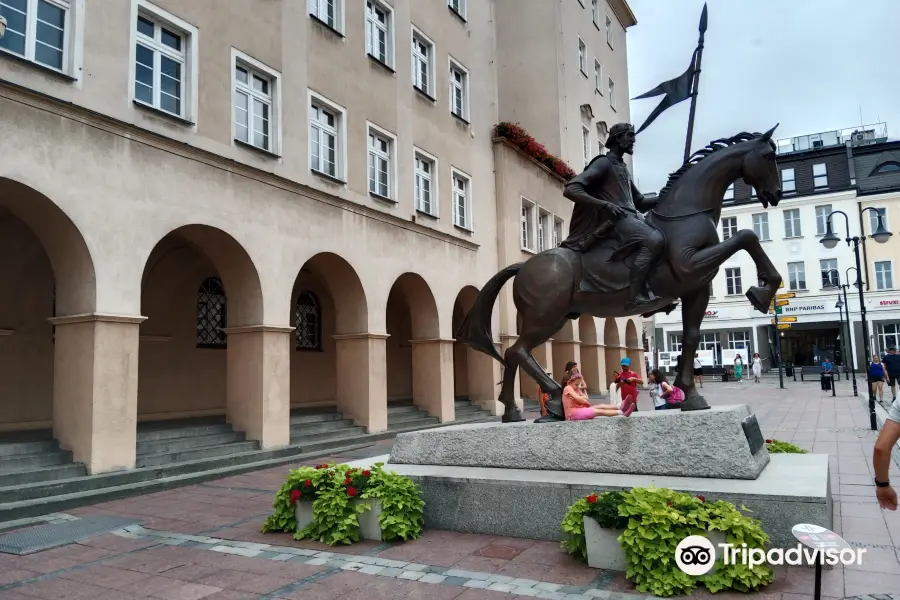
[
  {"x": 840, "y": 306},
  {"x": 830, "y": 240},
  {"x": 846, "y": 305}
]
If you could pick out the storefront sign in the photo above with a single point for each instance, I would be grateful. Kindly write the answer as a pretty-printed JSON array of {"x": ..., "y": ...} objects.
[
  {"x": 715, "y": 315},
  {"x": 889, "y": 303},
  {"x": 804, "y": 309}
]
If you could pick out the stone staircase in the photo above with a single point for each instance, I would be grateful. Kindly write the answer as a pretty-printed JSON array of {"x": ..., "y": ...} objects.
[{"x": 37, "y": 478}]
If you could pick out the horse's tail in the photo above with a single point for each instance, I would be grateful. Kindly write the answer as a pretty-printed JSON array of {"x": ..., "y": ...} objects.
[{"x": 476, "y": 328}]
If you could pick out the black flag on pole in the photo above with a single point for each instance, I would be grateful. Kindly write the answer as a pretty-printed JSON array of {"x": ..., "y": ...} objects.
[{"x": 679, "y": 89}]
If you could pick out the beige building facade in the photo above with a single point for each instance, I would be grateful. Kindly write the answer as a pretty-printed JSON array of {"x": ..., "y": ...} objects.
[{"x": 249, "y": 210}]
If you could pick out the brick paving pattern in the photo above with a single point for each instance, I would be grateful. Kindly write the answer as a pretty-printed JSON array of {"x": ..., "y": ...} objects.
[{"x": 203, "y": 541}]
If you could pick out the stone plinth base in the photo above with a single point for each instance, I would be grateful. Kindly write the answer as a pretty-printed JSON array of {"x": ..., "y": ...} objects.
[
  {"x": 708, "y": 443},
  {"x": 794, "y": 488}
]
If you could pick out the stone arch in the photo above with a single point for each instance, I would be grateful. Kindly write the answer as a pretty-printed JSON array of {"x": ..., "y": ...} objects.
[
  {"x": 419, "y": 363},
  {"x": 614, "y": 351},
  {"x": 179, "y": 375},
  {"x": 475, "y": 375},
  {"x": 564, "y": 348},
  {"x": 337, "y": 290},
  {"x": 47, "y": 271},
  {"x": 593, "y": 359},
  {"x": 634, "y": 348}
]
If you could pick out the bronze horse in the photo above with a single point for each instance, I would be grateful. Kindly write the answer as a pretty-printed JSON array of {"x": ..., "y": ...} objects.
[{"x": 547, "y": 290}]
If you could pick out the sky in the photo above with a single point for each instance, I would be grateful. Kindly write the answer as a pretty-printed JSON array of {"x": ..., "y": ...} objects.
[{"x": 810, "y": 65}]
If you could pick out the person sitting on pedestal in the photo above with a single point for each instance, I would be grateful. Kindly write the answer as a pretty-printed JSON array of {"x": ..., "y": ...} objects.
[{"x": 577, "y": 406}]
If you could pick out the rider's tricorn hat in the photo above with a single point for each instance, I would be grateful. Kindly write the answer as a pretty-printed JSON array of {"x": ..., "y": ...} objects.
[{"x": 617, "y": 130}]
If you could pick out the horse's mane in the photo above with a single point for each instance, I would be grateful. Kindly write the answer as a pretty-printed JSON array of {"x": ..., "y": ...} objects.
[{"x": 702, "y": 153}]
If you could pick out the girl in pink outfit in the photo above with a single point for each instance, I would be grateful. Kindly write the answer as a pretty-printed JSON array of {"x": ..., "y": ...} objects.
[{"x": 578, "y": 408}]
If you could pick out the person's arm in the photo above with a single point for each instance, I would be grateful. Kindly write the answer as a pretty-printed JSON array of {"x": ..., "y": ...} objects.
[
  {"x": 881, "y": 461},
  {"x": 576, "y": 188},
  {"x": 666, "y": 389},
  {"x": 641, "y": 202}
]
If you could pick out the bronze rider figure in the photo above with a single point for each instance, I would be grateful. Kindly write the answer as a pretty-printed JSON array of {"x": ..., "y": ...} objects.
[{"x": 606, "y": 200}]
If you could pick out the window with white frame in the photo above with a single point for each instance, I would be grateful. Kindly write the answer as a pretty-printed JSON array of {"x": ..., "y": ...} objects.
[
  {"x": 598, "y": 77},
  {"x": 676, "y": 342},
  {"x": 527, "y": 225},
  {"x": 820, "y": 176},
  {"x": 829, "y": 272},
  {"x": 582, "y": 57},
  {"x": 327, "y": 11},
  {"x": 708, "y": 341},
  {"x": 792, "y": 223},
  {"x": 586, "y": 144},
  {"x": 739, "y": 340},
  {"x": 379, "y": 31},
  {"x": 458, "y": 6},
  {"x": 822, "y": 213},
  {"x": 884, "y": 276},
  {"x": 761, "y": 226},
  {"x": 325, "y": 125},
  {"x": 729, "y": 227},
  {"x": 612, "y": 93},
  {"x": 609, "y": 31},
  {"x": 729, "y": 192},
  {"x": 462, "y": 202},
  {"x": 38, "y": 30},
  {"x": 161, "y": 70},
  {"x": 254, "y": 101},
  {"x": 733, "y": 285},
  {"x": 797, "y": 276},
  {"x": 788, "y": 183},
  {"x": 873, "y": 219},
  {"x": 545, "y": 231},
  {"x": 595, "y": 12},
  {"x": 425, "y": 189},
  {"x": 557, "y": 232},
  {"x": 422, "y": 63},
  {"x": 380, "y": 163},
  {"x": 889, "y": 336},
  {"x": 459, "y": 91}
]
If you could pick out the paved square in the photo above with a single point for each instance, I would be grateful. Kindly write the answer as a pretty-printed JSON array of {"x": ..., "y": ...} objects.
[{"x": 203, "y": 541}]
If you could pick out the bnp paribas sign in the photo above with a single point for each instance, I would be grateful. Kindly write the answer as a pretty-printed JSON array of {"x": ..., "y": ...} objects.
[{"x": 804, "y": 309}]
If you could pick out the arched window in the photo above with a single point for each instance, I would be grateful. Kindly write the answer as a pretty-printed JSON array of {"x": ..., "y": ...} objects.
[
  {"x": 211, "y": 314},
  {"x": 308, "y": 322},
  {"x": 891, "y": 166}
]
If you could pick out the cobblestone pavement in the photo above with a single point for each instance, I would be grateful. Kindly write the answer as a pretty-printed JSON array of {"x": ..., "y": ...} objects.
[{"x": 203, "y": 541}]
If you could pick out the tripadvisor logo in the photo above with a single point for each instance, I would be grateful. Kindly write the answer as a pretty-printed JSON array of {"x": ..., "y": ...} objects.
[{"x": 696, "y": 555}]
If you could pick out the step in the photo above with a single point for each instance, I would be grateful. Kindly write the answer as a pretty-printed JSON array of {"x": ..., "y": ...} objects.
[
  {"x": 42, "y": 499},
  {"x": 406, "y": 408},
  {"x": 187, "y": 443},
  {"x": 327, "y": 435},
  {"x": 310, "y": 428},
  {"x": 425, "y": 421},
  {"x": 172, "y": 433},
  {"x": 42, "y": 474},
  {"x": 403, "y": 417},
  {"x": 24, "y": 462},
  {"x": 33, "y": 447},
  {"x": 154, "y": 460},
  {"x": 304, "y": 418}
]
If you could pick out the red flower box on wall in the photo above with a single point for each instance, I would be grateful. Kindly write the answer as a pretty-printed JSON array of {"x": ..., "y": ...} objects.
[{"x": 518, "y": 137}]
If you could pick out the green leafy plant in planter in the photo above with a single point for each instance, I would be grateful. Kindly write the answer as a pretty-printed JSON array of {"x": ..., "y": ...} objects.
[
  {"x": 779, "y": 447},
  {"x": 655, "y": 520},
  {"x": 338, "y": 494}
]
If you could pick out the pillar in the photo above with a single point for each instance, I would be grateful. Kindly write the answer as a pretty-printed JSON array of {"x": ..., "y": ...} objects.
[
  {"x": 432, "y": 367},
  {"x": 563, "y": 352},
  {"x": 614, "y": 356},
  {"x": 544, "y": 356},
  {"x": 593, "y": 367},
  {"x": 362, "y": 379},
  {"x": 95, "y": 389},
  {"x": 258, "y": 383},
  {"x": 483, "y": 375},
  {"x": 507, "y": 341}
]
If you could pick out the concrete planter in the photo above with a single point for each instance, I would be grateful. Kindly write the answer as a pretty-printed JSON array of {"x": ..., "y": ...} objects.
[
  {"x": 605, "y": 552},
  {"x": 603, "y": 548},
  {"x": 304, "y": 514},
  {"x": 369, "y": 521}
]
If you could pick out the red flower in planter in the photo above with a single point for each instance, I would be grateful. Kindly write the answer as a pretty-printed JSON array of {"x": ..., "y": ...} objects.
[
  {"x": 348, "y": 481},
  {"x": 768, "y": 441},
  {"x": 295, "y": 496},
  {"x": 351, "y": 491},
  {"x": 308, "y": 482},
  {"x": 366, "y": 473},
  {"x": 701, "y": 498},
  {"x": 592, "y": 499}
]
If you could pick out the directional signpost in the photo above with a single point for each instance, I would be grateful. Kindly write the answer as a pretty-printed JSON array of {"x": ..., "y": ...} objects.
[
  {"x": 775, "y": 308},
  {"x": 784, "y": 326}
]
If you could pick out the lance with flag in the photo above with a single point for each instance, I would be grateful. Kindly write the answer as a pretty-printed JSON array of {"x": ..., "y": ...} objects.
[{"x": 680, "y": 89}]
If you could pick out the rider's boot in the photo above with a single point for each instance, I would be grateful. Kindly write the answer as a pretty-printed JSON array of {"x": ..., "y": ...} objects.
[
  {"x": 555, "y": 410},
  {"x": 640, "y": 293}
]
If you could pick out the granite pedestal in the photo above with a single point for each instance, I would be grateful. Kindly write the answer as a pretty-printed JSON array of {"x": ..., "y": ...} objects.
[
  {"x": 793, "y": 488},
  {"x": 710, "y": 443}
]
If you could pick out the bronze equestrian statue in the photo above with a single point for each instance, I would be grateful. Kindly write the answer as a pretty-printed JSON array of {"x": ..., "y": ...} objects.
[{"x": 614, "y": 254}]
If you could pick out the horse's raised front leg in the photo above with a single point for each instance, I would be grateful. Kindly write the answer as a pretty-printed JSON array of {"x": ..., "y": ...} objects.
[
  {"x": 693, "y": 308},
  {"x": 711, "y": 258}
]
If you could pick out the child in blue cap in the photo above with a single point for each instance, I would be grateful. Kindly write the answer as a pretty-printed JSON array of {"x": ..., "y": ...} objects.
[{"x": 627, "y": 381}]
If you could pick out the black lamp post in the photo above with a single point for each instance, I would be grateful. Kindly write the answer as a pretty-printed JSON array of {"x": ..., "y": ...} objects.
[
  {"x": 846, "y": 306},
  {"x": 830, "y": 240}
]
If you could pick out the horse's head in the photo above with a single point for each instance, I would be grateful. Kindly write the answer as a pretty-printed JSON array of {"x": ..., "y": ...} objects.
[{"x": 761, "y": 171}]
